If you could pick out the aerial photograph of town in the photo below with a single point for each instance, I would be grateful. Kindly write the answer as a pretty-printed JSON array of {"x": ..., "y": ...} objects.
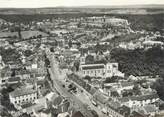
[{"x": 81, "y": 58}]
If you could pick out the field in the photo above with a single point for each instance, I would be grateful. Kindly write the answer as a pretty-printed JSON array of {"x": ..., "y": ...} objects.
[{"x": 25, "y": 34}]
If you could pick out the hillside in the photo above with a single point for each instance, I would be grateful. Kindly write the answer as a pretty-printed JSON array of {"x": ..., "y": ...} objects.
[{"x": 126, "y": 9}]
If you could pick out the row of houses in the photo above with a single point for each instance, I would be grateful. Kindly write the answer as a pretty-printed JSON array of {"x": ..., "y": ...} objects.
[{"x": 141, "y": 106}]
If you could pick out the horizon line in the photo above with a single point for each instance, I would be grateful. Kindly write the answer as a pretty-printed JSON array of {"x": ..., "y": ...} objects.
[{"x": 64, "y": 6}]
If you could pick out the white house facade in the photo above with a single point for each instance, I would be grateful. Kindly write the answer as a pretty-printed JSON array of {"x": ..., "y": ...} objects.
[{"x": 23, "y": 96}]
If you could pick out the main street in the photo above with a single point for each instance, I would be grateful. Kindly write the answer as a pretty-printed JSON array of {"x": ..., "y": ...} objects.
[{"x": 55, "y": 76}]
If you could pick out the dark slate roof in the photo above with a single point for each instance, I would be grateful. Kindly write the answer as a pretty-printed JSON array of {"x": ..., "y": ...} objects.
[
  {"x": 116, "y": 106},
  {"x": 149, "y": 108},
  {"x": 40, "y": 82},
  {"x": 113, "y": 105},
  {"x": 21, "y": 72},
  {"x": 124, "y": 110},
  {"x": 27, "y": 105},
  {"x": 78, "y": 114},
  {"x": 98, "y": 96},
  {"x": 136, "y": 114},
  {"x": 93, "y": 67},
  {"x": 14, "y": 79},
  {"x": 92, "y": 90},
  {"x": 125, "y": 84},
  {"x": 5, "y": 72},
  {"x": 22, "y": 91}
]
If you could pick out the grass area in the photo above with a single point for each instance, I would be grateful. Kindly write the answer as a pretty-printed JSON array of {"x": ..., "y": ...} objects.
[{"x": 25, "y": 34}]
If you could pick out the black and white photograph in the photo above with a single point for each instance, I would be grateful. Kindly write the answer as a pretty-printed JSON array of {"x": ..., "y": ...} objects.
[{"x": 81, "y": 58}]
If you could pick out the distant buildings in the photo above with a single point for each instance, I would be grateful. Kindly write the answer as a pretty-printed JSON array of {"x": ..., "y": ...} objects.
[
  {"x": 149, "y": 44},
  {"x": 100, "y": 21}
]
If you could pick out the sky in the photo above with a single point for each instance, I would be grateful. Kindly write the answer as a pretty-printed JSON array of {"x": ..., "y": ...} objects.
[{"x": 54, "y": 3}]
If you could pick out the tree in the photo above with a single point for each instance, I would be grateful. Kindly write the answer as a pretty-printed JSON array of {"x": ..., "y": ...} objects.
[
  {"x": 89, "y": 59},
  {"x": 112, "y": 79},
  {"x": 107, "y": 80},
  {"x": 70, "y": 43},
  {"x": 5, "y": 99},
  {"x": 88, "y": 78},
  {"x": 139, "y": 61},
  {"x": 97, "y": 47},
  {"x": 28, "y": 53},
  {"x": 63, "y": 86},
  {"x": 127, "y": 93},
  {"x": 159, "y": 86},
  {"x": 25, "y": 115},
  {"x": 70, "y": 86},
  {"x": 56, "y": 43},
  {"x": 79, "y": 24},
  {"x": 47, "y": 62},
  {"x": 18, "y": 29},
  {"x": 52, "y": 49},
  {"x": 114, "y": 94},
  {"x": 39, "y": 36},
  {"x": 13, "y": 73},
  {"x": 136, "y": 90},
  {"x": 4, "y": 113},
  {"x": 94, "y": 113},
  {"x": 76, "y": 65}
]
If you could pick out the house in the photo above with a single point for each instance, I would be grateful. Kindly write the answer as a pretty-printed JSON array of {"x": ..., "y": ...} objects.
[
  {"x": 100, "y": 98},
  {"x": 137, "y": 114},
  {"x": 5, "y": 74},
  {"x": 70, "y": 54},
  {"x": 152, "y": 43},
  {"x": 112, "y": 106},
  {"x": 35, "y": 109},
  {"x": 140, "y": 101},
  {"x": 115, "y": 109},
  {"x": 124, "y": 86},
  {"x": 23, "y": 74},
  {"x": 19, "y": 75},
  {"x": 50, "y": 96},
  {"x": 65, "y": 114},
  {"x": 14, "y": 65},
  {"x": 99, "y": 70},
  {"x": 54, "y": 106},
  {"x": 23, "y": 95},
  {"x": 13, "y": 80},
  {"x": 149, "y": 110}
]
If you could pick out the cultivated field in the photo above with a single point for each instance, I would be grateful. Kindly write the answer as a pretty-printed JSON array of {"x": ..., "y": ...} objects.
[{"x": 25, "y": 34}]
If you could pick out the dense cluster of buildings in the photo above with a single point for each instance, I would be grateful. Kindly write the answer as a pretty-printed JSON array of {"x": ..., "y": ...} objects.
[
  {"x": 26, "y": 77},
  {"x": 146, "y": 41},
  {"x": 82, "y": 48}
]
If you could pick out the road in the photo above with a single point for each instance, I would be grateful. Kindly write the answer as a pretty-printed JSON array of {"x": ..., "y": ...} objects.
[
  {"x": 57, "y": 84},
  {"x": 86, "y": 99}
]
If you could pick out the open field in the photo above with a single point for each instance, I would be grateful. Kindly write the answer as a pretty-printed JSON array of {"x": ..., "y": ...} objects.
[{"x": 25, "y": 34}]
